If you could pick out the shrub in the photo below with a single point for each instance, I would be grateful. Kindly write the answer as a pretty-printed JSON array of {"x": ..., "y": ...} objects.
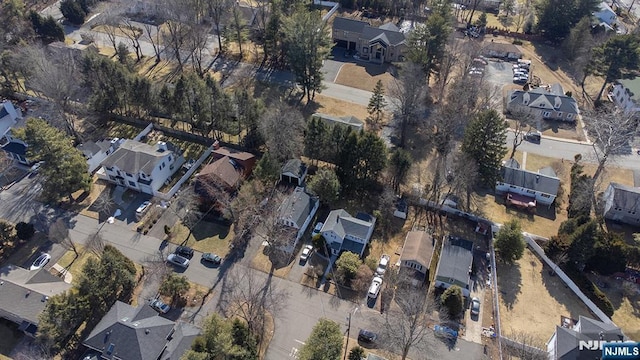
[
  {"x": 24, "y": 230},
  {"x": 517, "y": 42},
  {"x": 145, "y": 232},
  {"x": 72, "y": 11},
  {"x": 596, "y": 295}
]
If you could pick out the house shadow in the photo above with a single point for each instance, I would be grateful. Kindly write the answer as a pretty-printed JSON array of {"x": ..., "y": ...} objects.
[
  {"x": 509, "y": 283},
  {"x": 207, "y": 229},
  {"x": 556, "y": 126},
  {"x": 376, "y": 69}
]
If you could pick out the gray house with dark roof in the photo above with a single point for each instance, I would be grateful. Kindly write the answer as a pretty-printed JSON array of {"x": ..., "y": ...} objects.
[
  {"x": 24, "y": 295},
  {"x": 564, "y": 343},
  {"x": 454, "y": 266},
  {"x": 385, "y": 43},
  {"x": 622, "y": 204},
  {"x": 343, "y": 232},
  {"x": 11, "y": 118},
  {"x": 97, "y": 151},
  {"x": 139, "y": 333},
  {"x": 625, "y": 93},
  {"x": 549, "y": 103},
  {"x": 142, "y": 167},
  {"x": 294, "y": 172},
  {"x": 296, "y": 212},
  {"x": 528, "y": 186}
]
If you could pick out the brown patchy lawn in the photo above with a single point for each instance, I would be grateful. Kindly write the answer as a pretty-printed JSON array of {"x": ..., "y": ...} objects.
[
  {"x": 332, "y": 106},
  {"x": 205, "y": 237},
  {"x": 263, "y": 263},
  {"x": 626, "y": 302},
  {"x": 364, "y": 76},
  {"x": 532, "y": 301}
]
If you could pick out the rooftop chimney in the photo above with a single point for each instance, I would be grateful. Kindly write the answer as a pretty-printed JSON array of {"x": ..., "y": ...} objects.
[{"x": 162, "y": 146}]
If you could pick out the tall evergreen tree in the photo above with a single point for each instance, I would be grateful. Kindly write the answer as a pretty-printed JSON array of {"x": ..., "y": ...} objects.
[
  {"x": 324, "y": 343},
  {"x": 376, "y": 105},
  {"x": 557, "y": 17},
  {"x": 426, "y": 44},
  {"x": 615, "y": 59},
  {"x": 315, "y": 138},
  {"x": 484, "y": 141},
  {"x": 307, "y": 43}
]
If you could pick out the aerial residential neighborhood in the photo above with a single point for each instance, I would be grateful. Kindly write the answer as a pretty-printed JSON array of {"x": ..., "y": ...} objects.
[{"x": 257, "y": 179}]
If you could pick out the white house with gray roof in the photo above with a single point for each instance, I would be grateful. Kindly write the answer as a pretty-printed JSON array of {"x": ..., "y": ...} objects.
[
  {"x": 541, "y": 187},
  {"x": 622, "y": 204},
  {"x": 296, "y": 212},
  {"x": 24, "y": 295},
  {"x": 97, "y": 151},
  {"x": 139, "y": 333},
  {"x": 564, "y": 343},
  {"x": 343, "y": 232},
  {"x": 625, "y": 94},
  {"x": 142, "y": 167},
  {"x": 385, "y": 43},
  {"x": 549, "y": 103},
  {"x": 11, "y": 118}
]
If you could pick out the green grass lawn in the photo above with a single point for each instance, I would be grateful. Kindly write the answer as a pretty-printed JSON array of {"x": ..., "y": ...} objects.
[
  {"x": 206, "y": 237},
  {"x": 9, "y": 337}
]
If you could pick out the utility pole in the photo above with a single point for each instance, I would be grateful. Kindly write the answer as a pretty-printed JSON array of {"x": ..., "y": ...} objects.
[{"x": 346, "y": 347}]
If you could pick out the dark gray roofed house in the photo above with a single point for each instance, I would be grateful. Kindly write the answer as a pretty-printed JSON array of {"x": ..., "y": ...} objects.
[
  {"x": 344, "y": 232},
  {"x": 139, "y": 333},
  {"x": 528, "y": 186},
  {"x": 376, "y": 44},
  {"x": 351, "y": 121},
  {"x": 564, "y": 343},
  {"x": 503, "y": 51},
  {"x": 454, "y": 267},
  {"x": 96, "y": 152},
  {"x": 142, "y": 167},
  {"x": 622, "y": 204},
  {"x": 294, "y": 172},
  {"x": 548, "y": 103},
  {"x": 296, "y": 212},
  {"x": 24, "y": 295}
]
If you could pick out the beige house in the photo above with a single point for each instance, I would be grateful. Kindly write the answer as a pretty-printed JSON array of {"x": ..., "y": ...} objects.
[
  {"x": 416, "y": 257},
  {"x": 382, "y": 44}
]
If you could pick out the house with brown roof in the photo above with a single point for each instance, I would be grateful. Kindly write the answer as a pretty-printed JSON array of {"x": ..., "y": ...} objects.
[
  {"x": 245, "y": 160},
  {"x": 227, "y": 170},
  {"x": 417, "y": 253}
]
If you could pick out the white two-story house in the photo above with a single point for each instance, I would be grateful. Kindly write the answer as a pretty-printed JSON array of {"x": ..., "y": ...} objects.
[
  {"x": 142, "y": 167},
  {"x": 528, "y": 186},
  {"x": 622, "y": 204},
  {"x": 10, "y": 118},
  {"x": 343, "y": 232},
  {"x": 625, "y": 94}
]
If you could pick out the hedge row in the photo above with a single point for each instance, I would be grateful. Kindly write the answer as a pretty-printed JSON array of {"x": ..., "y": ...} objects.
[{"x": 591, "y": 290}]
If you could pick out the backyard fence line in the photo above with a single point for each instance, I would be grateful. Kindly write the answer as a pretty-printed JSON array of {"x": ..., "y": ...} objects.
[
  {"x": 561, "y": 274},
  {"x": 496, "y": 303},
  {"x": 333, "y": 5},
  {"x": 526, "y": 348},
  {"x": 174, "y": 189}
]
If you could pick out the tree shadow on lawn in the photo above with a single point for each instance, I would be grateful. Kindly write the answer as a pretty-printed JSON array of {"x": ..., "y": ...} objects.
[
  {"x": 509, "y": 283},
  {"x": 207, "y": 229},
  {"x": 559, "y": 291}
]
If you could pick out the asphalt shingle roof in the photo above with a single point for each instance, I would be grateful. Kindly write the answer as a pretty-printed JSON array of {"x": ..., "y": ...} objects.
[
  {"x": 297, "y": 207},
  {"x": 224, "y": 170},
  {"x": 344, "y": 24},
  {"x": 133, "y": 157},
  {"x": 566, "y": 342},
  {"x": 626, "y": 197},
  {"x": 391, "y": 37},
  {"x": 343, "y": 224},
  {"x": 418, "y": 247},
  {"x": 455, "y": 262},
  {"x": 531, "y": 180},
  {"x": 23, "y": 293},
  {"x": 544, "y": 100},
  {"x": 294, "y": 167},
  {"x": 131, "y": 333}
]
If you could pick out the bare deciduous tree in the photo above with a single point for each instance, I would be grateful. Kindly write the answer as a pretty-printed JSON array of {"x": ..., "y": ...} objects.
[
  {"x": 408, "y": 94},
  {"x": 95, "y": 243},
  {"x": 521, "y": 123},
  {"x": 153, "y": 35},
  {"x": 133, "y": 33},
  {"x": 405, "y": 327},
  {"x": 252, "y": 297},
  {"x": 523, "y": 346},
  {"x": 282, "y": 128},
  {"x": 59, "y": 233}
]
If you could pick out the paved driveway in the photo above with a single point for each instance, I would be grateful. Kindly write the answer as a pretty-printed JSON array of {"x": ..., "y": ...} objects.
[{"x": 499, "y": 73}]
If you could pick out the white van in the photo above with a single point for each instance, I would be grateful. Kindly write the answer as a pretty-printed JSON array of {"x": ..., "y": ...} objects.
[
  {"x": 525, "y": 64},
  {"x": 374, "y": 289}
]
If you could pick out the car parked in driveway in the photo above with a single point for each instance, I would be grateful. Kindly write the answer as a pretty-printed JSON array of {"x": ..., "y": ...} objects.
[
  {"x": 374, "y": 288},
  {"x": 212, "y": 258},
  {"x": 40, "y": 262},
  {"x": 142, "y": 209},
  {"x": 475, "y": 306},
  {"x": 184, "y": 251},
  {"x": 159, "y": 306},
  {"x": 445, "y": 332},
  {"x": 306, "y": 252},
  {"x": 316, "y": 230},
  {"x": 383, "y": 264},
  {"x": 178, "y": 260}
]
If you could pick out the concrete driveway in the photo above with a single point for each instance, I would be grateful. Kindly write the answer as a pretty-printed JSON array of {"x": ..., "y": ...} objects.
[{"x": 499, "y": 73}]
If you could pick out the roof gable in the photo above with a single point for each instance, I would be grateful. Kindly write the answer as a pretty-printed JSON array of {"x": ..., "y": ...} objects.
[
  {"x": 626, "y": 197},
  {"x": 418, "y": 247},
  {"x": 455, "y": 262},
  {"x": 351, "y": 25},
  {"x": 343, "y": 224},
  {"x": 391, "y": 37},
  {"x": 297, "y": 207},
  {"x": 135, "y": 157},
  {"x": 224, "y": 169}
]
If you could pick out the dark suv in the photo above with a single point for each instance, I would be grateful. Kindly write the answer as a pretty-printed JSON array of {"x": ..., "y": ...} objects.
[
  {"x": 184, "y": 251},
  {"x": 367, "y": 336}
]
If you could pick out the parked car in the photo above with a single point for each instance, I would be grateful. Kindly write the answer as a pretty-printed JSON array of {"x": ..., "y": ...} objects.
[
  {"x": 367, "y": 336},
  {"x": 520, "y": 79},
  {"x": 178, "y": 260},
  {"x": 382, "y": 264},
  {"x": 374, "y": 289},
  {"x": 159, "y": 306},
  {"x": 445, "y": 332},
  {"x": 475, "y": 306},
  {"x": 316, "y": 230},
  {"x": 212, "y": 258},
  {"x": 35, "y": 167},
  {"x": 184, "y": 251},
  {"x": 143, "y": 208},
  {"x": 306, "y": 252},
  {"x": 533, "y": 136},
  {"x": 41, "y": 261}
]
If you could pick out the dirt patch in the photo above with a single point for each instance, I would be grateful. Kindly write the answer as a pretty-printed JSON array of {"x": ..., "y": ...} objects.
[
  {"x": 331, "y": 106},
  {"x": 364, "y": 76},
  {"x": 532, "y": 301}
]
